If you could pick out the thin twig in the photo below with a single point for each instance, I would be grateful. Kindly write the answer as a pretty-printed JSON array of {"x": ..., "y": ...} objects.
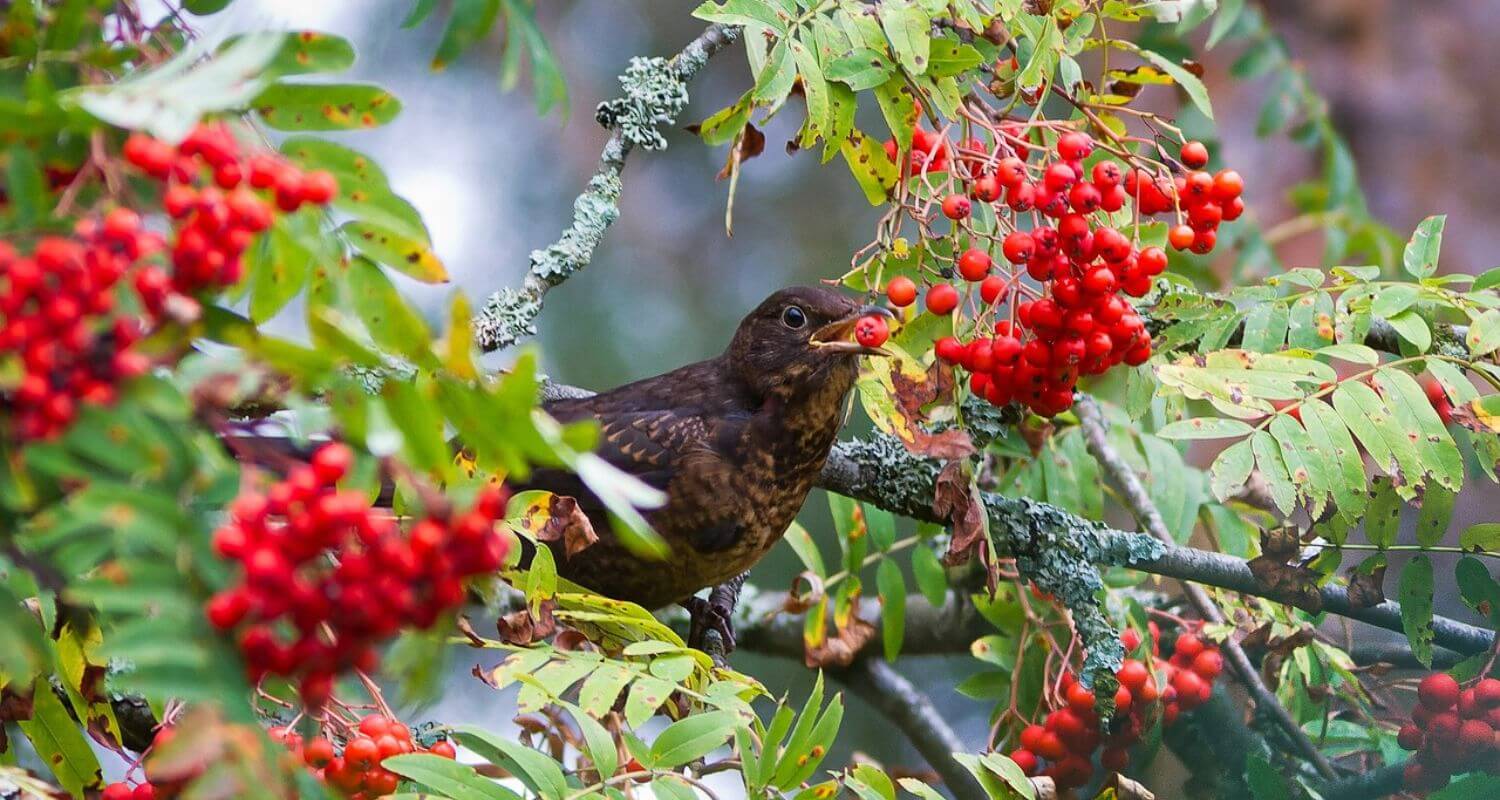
[{"x": 1138, "y": 500}]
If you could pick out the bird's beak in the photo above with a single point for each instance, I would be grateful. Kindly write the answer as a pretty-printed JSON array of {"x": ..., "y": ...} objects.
[{"x": 838, "y": 337}]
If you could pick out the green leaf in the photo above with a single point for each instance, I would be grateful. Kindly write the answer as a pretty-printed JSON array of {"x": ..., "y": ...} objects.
[
  {"x": 1265, "y": 328},
  {"x": 1421, "y": 254},
  {"x": 1373, "y": 424},
  {"x": 1189, "y": 82},
  {"x": 1410, "y": 325},
  {"x": 1482, "y": 536},
  {"x": 777, "y": 77},
  {"x": 1310, "y": 468},
  {"x": 1273, "y": 469},
  {"x": 801, "y": 735},
  {"x": 1265, "y": 782},
  {"x": 1389, "y": 301},
  {"x": 304, "y": 52},
  {"x": 742, "y": 12},
  {"x": 899, "y": 108},
  {"x": 892, "y": 588},
  {"x": 906, "y": 28},
  {"x": 58, "y": 741},
  {"x": 538, "y": 771},
  {"x": 929, "y": 574},
  {"x": 692, "y": 738},
  {"x": 169, "y": 99},
  {"x": 1231, "y": 468},
  {"x": 806, "y": 549},
  {"x": 1434, "y": 516},
  {"x": 875, "y": 173},
  {"x": 646, "y": 695},
  {"x": 470, "y": 22},
  {"x": 1477, "y": 587},
  {"x": 204, "y": 7},
  {"x": 25, "y": 186},
  {"x": 1488, "y": 279},
  {"x": 1352, "y": 353},
  {"x": 391, "y": 322},
  {"x": 420, "y": 11},
  {"x": 952, "y": 58},
  {"x": 447, "y": 777},
  {"x": 325, "y": 106},
  {"x": 1310, "y": 323},
  {"x": 1331, "y": 437},
  {"x": 278, "y": 267},
  {"x": 1415, "y": 595},
  {"x": 1383, "y": 519},
  {"x": 364, "y": 192},
  {"x": 861, "y": 69},
  {"x": 1205, "y": 428},
  {"x": 1418, "y": 421},
  {"x": 411, "y": 257},
  {"x": 1484, "y": 333}
]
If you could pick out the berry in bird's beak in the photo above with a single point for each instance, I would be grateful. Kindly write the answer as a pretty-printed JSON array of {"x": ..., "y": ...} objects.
[{"x": 859, "y": 333}]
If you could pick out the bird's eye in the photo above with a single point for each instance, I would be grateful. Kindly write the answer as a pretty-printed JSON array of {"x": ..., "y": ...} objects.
[{"x": 793, "y": 317}]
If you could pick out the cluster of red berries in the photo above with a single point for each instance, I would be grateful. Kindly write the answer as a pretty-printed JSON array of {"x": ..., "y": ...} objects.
[
  {"x": 303, "y": 616},
  {"x": 214, "y": 193},
  {"x": 355, "y": 771},
  {"x": 1070, "y": 735},
  {"x": 1076, "y": 323},
  {"x": 58, "y": 319},
  {"x": 1453, "y": 730}
]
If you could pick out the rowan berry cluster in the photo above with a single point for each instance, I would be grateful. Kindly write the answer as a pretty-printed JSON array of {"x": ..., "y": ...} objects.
[
  {"x": 1063, "y": 747},
  {"x": 1071, "y": 320},
  {"x": 219, "y": 197},
  {"x": 63, "y": 315},
  {"x": 325, "y": 578},
  {"x": 1453, "y": 730},
  {"x": 352, "y": 767},
  {"x": 58, "y": 319},
  {"x": 354, "y": 770}
]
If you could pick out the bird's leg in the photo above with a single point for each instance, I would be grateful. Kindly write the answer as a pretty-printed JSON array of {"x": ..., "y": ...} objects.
[{"x": 714, "y": 615}]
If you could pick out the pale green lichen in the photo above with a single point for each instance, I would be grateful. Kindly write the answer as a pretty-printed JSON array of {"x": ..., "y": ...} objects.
[{"x": 655, "y": 94}]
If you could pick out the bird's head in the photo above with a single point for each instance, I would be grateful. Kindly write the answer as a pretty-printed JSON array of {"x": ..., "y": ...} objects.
[{"x": 799, "y": 338}]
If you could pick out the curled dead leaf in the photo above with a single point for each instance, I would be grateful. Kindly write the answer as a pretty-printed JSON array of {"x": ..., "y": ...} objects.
[
  {"x": 807, "y": 590},
  {"x": 953, "y": 499},
  {"x": 840, "y": 649},
  {"x": 521, "y": 627},
  {"x": 567, "y": 523}
]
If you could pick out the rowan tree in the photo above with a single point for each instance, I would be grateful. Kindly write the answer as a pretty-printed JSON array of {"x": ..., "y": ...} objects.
[{"x": 218, "y": 544}]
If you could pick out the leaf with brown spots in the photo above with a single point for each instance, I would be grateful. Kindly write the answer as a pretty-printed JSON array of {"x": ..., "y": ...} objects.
[
  {"x": 411, "y": 257},
  {"x": 304, "y": 52},
  {"x": 325, "y": 106}
]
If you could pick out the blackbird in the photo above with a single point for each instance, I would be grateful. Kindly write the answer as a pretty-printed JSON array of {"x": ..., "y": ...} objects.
[{"x": 735, "y": 442}]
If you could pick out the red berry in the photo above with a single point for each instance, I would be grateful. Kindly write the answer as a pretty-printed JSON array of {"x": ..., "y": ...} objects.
[
  {"x": 1475, "y": 737},
  {"x": 1438, "y": 691},
  {"x": 986, "y": 189},
  {"x": 443, "y": 748},
  {"x": 1031, "y": 736},
  {"x": 1114, "y": 759},
  {"x": 1059, "y": 177},
  {"x": 949, "y": 350},
  {"x": 1194, "y": 155},
  {"x": 871, "y": 331},
  {"x": 319, "y": 187},
  {"x": 1181, "y": 237},
  {"x": 974, "y": 264},
  {"x": 1018, "y": 247},
  {"x": 1050, "y": 747},
  {"x": 375, "y": 725},
  {"x": 1227, "y": 185},
  {"x": 991, "y": 289},
  {"x": 1074, "y": 146},
  {"x": 956, "y": 207},
  {"x": 942, "y": 299},
  {"x": 332, "y": 462},
  {"x": 1025, "y": 759},
  {"x": 1081, "y": 700},
  {"x": 1409, "y": 737},
  {"x": 361, "y": 752},
  {"x": 318, "y": 752},
  {"x": 1209, "y": 664},
  {"x": 901, "y": 291},
  {"x": 1487, "y": 693}
]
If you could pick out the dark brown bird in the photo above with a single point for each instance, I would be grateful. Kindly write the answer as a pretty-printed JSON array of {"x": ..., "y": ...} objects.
[{"x": 735, "y": 442}]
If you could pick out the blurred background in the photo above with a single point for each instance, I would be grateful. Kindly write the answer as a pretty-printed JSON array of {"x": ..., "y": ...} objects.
[{"x": 493, "y": 181}]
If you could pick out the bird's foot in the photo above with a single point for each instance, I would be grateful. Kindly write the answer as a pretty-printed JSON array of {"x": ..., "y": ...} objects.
[{"x": 707, "y": 615}]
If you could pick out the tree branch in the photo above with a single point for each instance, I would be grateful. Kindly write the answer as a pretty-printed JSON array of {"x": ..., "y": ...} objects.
[
  {"x": 912, "y": 711},
  {"x": 880, "y": 471},
  {"x": 1367, "y": 785},
  {"x": 655, "y": 93},
  {"x": 1138, "y": 500}
]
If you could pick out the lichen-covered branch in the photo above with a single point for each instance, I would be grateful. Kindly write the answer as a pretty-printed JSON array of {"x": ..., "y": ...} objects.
[
  {"x": 655, "y": 93},
  {"x": 880, "y": 471},
  {"x": 1138, "y": 500},
  {"x": 912, "y": 712}
]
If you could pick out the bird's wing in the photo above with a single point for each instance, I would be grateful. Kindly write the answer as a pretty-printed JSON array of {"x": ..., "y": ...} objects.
[{"x": 655, "y": 446}]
